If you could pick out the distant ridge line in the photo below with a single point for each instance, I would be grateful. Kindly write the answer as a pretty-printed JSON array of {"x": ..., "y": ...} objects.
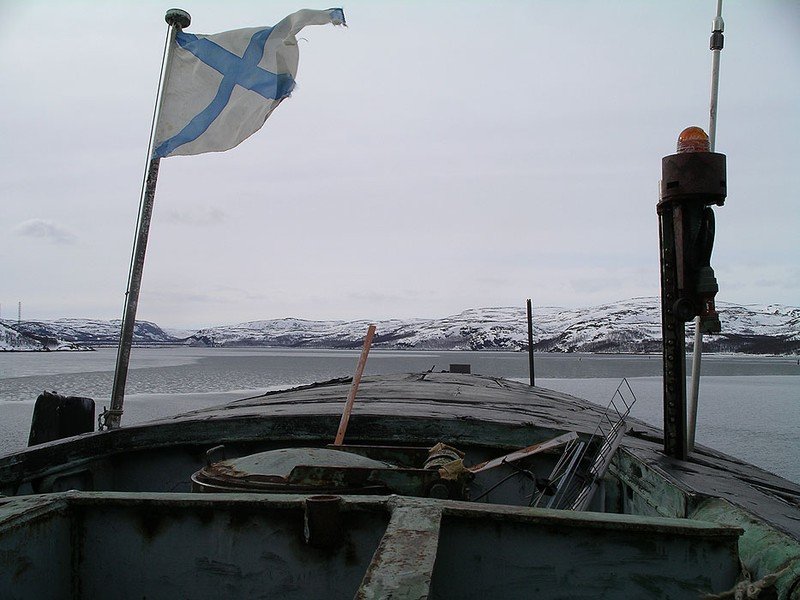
[{"x": 628, "y": 326}]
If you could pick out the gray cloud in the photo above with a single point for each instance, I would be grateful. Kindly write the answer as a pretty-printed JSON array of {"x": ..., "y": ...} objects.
[
  {"x": 400, "y": 180},
  {"x": 47, "y": 230},
  {"x": 198, "y": 217}
]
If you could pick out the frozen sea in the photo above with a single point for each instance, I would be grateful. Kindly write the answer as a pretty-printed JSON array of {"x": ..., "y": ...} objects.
[{"x": 749, "y": 405}]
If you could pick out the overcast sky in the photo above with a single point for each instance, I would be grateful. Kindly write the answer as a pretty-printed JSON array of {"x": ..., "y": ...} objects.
[{"x": 435, "y": 156}]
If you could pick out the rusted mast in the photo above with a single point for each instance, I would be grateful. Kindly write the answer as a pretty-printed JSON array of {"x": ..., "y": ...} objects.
[
  {"x": 692, "y": 180},
  {"x": 176, "y": 19}
]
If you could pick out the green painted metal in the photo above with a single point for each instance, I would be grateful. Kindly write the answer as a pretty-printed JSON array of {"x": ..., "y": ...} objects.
[
  {"x": 514, "y": 552},
  {"x": 199, "y": 435},
  {"x": 764, "y": 551},
  {"x": 402, "y": 566},
  {"x": 247, "y": 545},
  {"x": 646, "y": 490},
  {"x": 482, "y": 416},
  {"x": 133, "y": 546}
]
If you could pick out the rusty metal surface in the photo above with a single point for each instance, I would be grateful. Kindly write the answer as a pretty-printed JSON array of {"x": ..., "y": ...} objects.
[
  {"x": 525, "y": 452},
  {"x": 401, "y": 456},
  {"x": 402, "y": 566},
  {"x": 323, "y": 525},
  {"x": 324, "y": 470},
  {"x": 281, "y": 462}
]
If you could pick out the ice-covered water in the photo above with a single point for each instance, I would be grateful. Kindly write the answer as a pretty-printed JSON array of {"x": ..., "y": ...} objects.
[{"x": 749, "y": 407}]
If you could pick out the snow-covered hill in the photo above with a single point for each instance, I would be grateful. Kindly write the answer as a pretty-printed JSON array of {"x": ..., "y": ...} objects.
[
  {"x": 14, "y": 339},
  {"x": 86, "y": 332},
  {"x": 627, "y": 326}
]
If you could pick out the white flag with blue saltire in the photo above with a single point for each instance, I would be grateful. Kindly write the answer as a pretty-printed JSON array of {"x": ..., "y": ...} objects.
[{"x": 219, "y": 89}]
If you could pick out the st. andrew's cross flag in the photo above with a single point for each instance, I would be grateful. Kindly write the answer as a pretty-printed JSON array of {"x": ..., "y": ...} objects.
[{"x": 219, "y": 89}]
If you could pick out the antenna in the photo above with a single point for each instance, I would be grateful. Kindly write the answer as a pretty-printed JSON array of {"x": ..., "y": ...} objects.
[
  {"x": 717, "y": 42},
  {"x": 19, "y": 312}
]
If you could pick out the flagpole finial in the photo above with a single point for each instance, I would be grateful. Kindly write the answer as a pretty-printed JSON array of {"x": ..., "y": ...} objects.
[{"x": 177, "y": 17}]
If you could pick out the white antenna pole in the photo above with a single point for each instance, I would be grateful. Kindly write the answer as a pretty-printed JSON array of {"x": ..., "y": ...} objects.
[
  {"x": 717, "y": 40},
  {"x": 716, "y": 49}
]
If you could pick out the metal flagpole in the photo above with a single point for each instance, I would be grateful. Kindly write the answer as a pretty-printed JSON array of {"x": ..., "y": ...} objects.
[
  {"x": 717, "y": 41},
  {"x": 176, "y": 19}
]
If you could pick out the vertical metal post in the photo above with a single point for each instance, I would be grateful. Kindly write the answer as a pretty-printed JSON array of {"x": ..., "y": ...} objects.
[
  {"x": 694, "y": 386},
  {"x": 692, "y": 181},
  {"x": 674, "y": 339},
  {"x": 530, "y": 343},
  {"x": 114, "y": 414},
  {"x": 176, "y": 19},
  {"x": 716, "y": 44}
]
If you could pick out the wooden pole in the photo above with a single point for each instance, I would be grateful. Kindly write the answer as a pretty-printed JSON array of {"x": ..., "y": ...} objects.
[{"x": 351, "y": 397}]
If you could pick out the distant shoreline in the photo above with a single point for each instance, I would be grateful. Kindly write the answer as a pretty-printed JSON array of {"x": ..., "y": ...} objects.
[
  {"x": 791, "y": 355},
  {"x": 630, "y": 326},
  {"x": 29, "y": 350}
]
